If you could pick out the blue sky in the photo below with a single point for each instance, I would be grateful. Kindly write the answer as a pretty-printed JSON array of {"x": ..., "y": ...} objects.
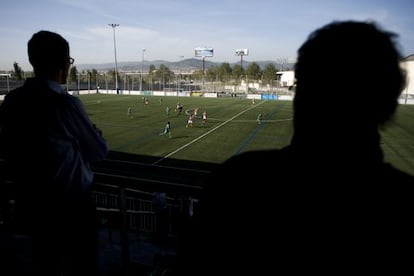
[{"x": 171, "y": 29}]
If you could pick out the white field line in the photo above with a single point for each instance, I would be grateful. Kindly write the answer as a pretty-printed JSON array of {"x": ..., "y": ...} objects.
[
  {"x": 247, "y": 121},
  {"x": 205, "y": 134}
]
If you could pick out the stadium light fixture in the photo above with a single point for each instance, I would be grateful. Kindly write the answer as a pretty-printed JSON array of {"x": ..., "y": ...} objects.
[{"x": 116, "y": 63}]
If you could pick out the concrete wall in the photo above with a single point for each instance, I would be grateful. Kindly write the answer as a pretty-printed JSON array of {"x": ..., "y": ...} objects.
[{"x": 409, "y": 67}]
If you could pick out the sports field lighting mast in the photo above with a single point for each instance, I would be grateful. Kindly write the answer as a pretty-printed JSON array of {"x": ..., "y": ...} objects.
[
  {"x": 142, "y": 65},
  {"x": 203, "y": 52},
  {"x": 241, "y": 53},
  {"x": 282, "y": 62},
  {"x": 116, "y": 63},
  {"x": 179, "y": 73}
]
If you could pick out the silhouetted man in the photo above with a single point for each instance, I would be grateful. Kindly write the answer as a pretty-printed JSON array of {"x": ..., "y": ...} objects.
[
  {"x": 327, "y": 203},
  {"x": 48, "y": 141}
]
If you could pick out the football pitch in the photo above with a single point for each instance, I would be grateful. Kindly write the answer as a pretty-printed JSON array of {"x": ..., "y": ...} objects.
[{"x": 231, "y": 127}]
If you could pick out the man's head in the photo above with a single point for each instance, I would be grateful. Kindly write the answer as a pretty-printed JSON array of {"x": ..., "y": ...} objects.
[
  {"x": 350, "y": 72},
  {"x": 49, "y": 55}
]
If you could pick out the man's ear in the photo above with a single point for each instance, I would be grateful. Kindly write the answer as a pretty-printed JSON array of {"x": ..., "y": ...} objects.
[{"x": 62, "y": 75}]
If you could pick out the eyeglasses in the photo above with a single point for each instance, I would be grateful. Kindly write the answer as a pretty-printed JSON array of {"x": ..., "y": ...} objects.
[{"x": 71, "y": 60}]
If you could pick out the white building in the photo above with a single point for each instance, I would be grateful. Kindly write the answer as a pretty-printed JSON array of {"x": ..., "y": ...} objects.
[
  {"x": 408, "y": 65},
  {"x": 286, "y": 78}
]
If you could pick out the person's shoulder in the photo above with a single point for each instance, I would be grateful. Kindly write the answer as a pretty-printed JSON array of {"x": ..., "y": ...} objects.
[
  {"x": 33, "y": 89},
  {"x": 391, "y": 173},
  {"x": 72, "y": 98},
  {"x": 19, "y": 96},
  {"x": 258, "y": 158},
  {"x": 69, "y": 101},
  {"x": 251, "y": 164},
  {"x": 15, "y": 93}
]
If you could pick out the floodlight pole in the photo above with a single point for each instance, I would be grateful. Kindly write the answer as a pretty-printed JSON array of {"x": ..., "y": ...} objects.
[
  {"x": 241, "y": 61},
  {"x": 204, "y": 59},
  {"x": 142, "y": 65},
  {"x": 179, "y": 72},
  {"x": 116, "y": 63},
  {"x": 282, "y": 62}
]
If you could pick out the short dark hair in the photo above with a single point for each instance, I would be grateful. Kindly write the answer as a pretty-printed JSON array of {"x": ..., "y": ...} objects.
[
  {"x": 352, "y": 65},
  {"x": 48, "y": 52}
]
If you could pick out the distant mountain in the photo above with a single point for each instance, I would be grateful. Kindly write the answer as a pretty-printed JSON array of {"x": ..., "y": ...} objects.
[{"x": 185, "y": 65}]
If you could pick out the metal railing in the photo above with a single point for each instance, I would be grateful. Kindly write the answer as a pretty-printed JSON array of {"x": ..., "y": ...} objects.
[
  {"x": 133, "y": 210},
  {"x": 129, "y": 204}
]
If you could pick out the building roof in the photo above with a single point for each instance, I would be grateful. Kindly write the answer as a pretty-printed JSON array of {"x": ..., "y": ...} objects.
[{"x": 409, "y": 58}]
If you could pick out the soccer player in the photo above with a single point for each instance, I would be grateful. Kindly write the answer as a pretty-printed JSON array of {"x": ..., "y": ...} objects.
[
  {"x": 259, "y": 118},
  {"x": 190, "y": 121},
  {"x": 167, "y": 130},
  {"x": 179, "y": 108},
  {"x": 129, "y": 112},
  {"x": 204, "y": 117}
]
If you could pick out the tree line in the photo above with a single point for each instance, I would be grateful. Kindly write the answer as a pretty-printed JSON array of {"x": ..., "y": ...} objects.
[{"x": 223, "y": 73}]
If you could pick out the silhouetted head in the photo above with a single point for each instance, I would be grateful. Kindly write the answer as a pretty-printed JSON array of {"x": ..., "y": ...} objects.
[
  {"x": 348, "y": 76},
  {"x": 48, "y": 53}
]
